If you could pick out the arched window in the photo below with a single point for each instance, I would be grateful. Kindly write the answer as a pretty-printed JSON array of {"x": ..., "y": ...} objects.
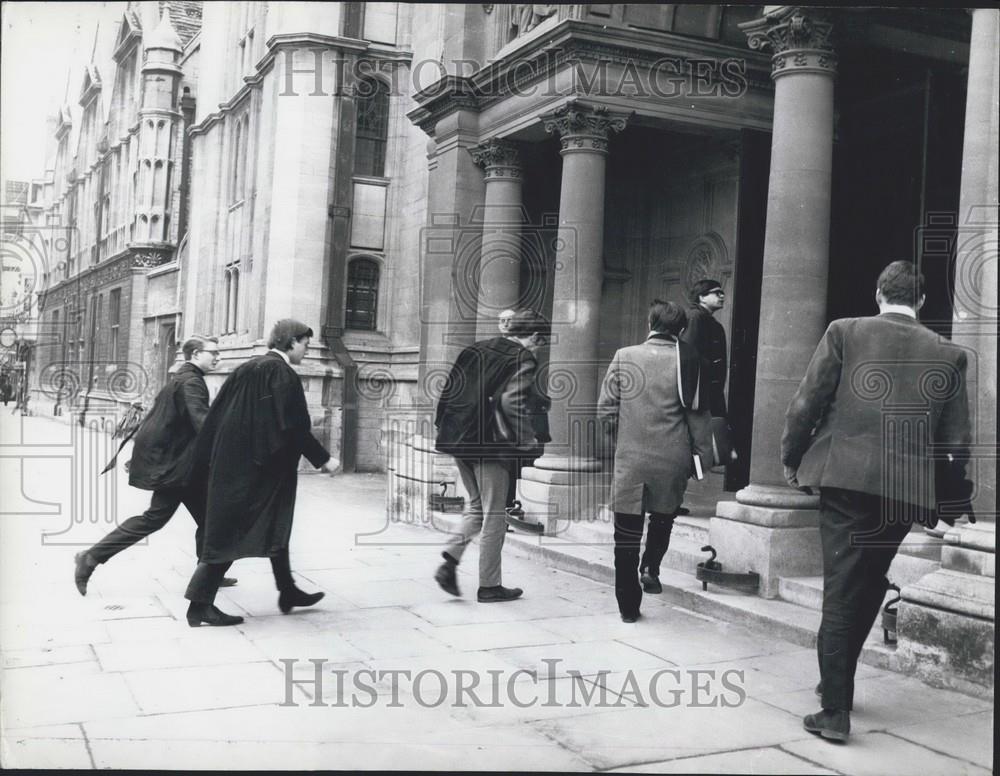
[
  {"x": 362, "y": 295},
  {"x": 372, "y": 128}
]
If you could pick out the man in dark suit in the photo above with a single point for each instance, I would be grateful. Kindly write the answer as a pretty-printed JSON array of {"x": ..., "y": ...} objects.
[
  {"x": 489, "y": 378},
  {"x": 161, "y": 459},
  {"x": 709, "y": 339},
  {"x": 882, "y": 404}
]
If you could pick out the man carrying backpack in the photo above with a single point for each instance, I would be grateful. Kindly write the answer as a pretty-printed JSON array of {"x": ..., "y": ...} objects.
[{"x": 484, "y": 419}]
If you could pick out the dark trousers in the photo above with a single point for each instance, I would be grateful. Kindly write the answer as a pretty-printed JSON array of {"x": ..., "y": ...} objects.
[
  {"x": 860, "y": 534},
  {"x": 628, "y": 537},
  {"x": 162, "y": 507},
  {"x": 207, "y": 577}
]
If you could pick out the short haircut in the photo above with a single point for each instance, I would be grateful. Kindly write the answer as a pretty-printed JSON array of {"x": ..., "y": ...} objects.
[
  {"x": 702, "y": 287},
  {"x": 666, "y": 317},
  {"x": 901, "y": 283},
  {"x": 286, "y": 332},
  {"x": 196, "y": 342},
  {"x": 524, "y": 323}
]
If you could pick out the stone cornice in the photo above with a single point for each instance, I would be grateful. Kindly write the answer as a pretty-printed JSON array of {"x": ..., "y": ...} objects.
[
  {"x": 569, "y": 42},
  {"x": 135, "y": 258}
]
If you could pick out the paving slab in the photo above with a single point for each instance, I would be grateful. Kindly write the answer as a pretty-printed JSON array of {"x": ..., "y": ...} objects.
[
  {"x": 53, "y": 695},
  {"x": 53, "y": 753},
  {"x": 967, "y": 737},
  {"x": 620, "y": 737},
  {"x": 770, "y": 760},
  {"x": 881, "y": 754},
  {"x": 493, "y": 635}
]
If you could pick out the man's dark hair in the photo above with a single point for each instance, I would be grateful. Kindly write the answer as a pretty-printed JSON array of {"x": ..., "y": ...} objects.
[
  {"x": 901, "y": 283},
  {"x": 286, "y": 332},
  {"x": 524, "y": 323},
  {"x": 702, "y": 287},
  {"x": 196, "y": 342},
  {"x": 666, "y": 317}
]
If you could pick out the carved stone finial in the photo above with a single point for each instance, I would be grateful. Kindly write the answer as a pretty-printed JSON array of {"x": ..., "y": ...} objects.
[
  {"x": 499, "y": 158},
  {"x": 585, "y": 128},
  {"x": 800, "y": 39}
]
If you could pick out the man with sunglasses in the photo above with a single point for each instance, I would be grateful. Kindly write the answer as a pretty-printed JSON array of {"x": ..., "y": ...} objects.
[{"x": 161, "y": 459}]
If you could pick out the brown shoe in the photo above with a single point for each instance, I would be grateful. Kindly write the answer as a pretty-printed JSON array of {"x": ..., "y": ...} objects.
[
  {"x": 446, "y": 577},
  {"x": 228, "y": 582}
]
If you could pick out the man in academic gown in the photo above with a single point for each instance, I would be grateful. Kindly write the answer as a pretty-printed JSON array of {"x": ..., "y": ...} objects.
[{"x": 246, "y": 459}]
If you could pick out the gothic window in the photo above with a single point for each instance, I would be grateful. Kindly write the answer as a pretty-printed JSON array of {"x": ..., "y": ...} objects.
[
  {"x": 362, "y": 295},
  {"x": 372, "y": 132}
]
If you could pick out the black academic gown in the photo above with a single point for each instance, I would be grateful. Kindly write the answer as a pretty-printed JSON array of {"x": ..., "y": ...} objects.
[{"x": 246, "y": 459}]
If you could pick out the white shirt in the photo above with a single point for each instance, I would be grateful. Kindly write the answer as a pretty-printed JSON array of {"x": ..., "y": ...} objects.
[
  {"x": 902, "y": 309},
  {"x": 281, "y": 353}
]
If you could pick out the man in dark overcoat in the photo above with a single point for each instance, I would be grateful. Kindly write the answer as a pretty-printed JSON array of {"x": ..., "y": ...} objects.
[
  {"x": 485, "y": 420},
  {"x": 647, "y": 402},
  {"x": 708, "y": 338},
  {"x": 246, "y": 459},
  {"x": 161, "y": 459},
  {"x": 882, "y": 406}
]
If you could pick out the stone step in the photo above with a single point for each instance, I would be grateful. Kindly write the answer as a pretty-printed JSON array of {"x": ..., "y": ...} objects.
[
  {"x": 808, "y": 591},
  {"x": 601, "y": 531}
]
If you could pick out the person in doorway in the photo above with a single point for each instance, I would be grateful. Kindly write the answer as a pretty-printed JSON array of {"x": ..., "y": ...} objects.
[
  {"x": 246, "y": 460},
  {"x": 484, "y": 420},
  {"x": 875, "y": 479},
  {"x": 646, "y": 401},
  {"x": 162, "y": 452},
  {"x": 708, "y": 337}
]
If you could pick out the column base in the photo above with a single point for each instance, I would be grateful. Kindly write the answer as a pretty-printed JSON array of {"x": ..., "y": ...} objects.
[
  {"x": 559, "y": 498},
  {"x": 775, "y": 539},
  {"x": 947, "y": 620}
]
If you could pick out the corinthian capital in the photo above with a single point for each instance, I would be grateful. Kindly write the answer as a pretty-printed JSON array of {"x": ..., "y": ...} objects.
[
  {"x": 585, "y": 128},
  {"x": 799, "y": 38},
  {"x": 496, "y": 153}
]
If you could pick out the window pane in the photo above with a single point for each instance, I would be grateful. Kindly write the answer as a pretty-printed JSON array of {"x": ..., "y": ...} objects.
[
  {"x": 362, "y": 295},
  {"x": 372, "y": 128}
]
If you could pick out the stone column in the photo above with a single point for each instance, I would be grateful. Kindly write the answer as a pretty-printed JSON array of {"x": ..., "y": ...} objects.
[
  {"x": 503, "y": 217},
  {"x": 771, "y": 528},
  {"x": 947, "y": 620},
  {"x": 557, "y": 486}
]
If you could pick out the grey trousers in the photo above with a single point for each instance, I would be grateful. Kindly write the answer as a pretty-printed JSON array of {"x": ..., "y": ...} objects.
[{"x": 486, "y": 483}]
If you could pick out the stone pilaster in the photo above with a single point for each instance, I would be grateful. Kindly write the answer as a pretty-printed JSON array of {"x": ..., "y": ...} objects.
[
  {"x": 771, "y": 529},
  {"x": 565, "y": 482},
  {"x": 503, "y": 217}
]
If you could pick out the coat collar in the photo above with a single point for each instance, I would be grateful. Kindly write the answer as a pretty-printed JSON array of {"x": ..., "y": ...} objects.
[{"x": 658, "y": 338}]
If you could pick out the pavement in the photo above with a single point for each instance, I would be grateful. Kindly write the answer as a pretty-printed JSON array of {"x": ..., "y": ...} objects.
[{"x": 388, "y": 671}]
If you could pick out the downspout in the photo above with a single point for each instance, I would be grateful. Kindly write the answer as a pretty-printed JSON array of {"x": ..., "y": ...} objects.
[{"x": 339, "y": 211}]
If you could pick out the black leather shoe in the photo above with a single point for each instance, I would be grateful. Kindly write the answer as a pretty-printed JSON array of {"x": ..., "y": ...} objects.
[
  {"x": 631, "y": 617},
  {"x": 209, "y": 614},
  {"x": 446, "y": 577},
  {"x": 831, "y": 725},
  {"x": 228, "y": 582},
  {"x": 296, "y": 597},
  {"x": 819, "y": 694},
  {"x": 683, "y": 511},
  {"x": 489, "y": 595},
  {"x": 85, "y": 566},
  {"x": 651, "y": 583}
]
